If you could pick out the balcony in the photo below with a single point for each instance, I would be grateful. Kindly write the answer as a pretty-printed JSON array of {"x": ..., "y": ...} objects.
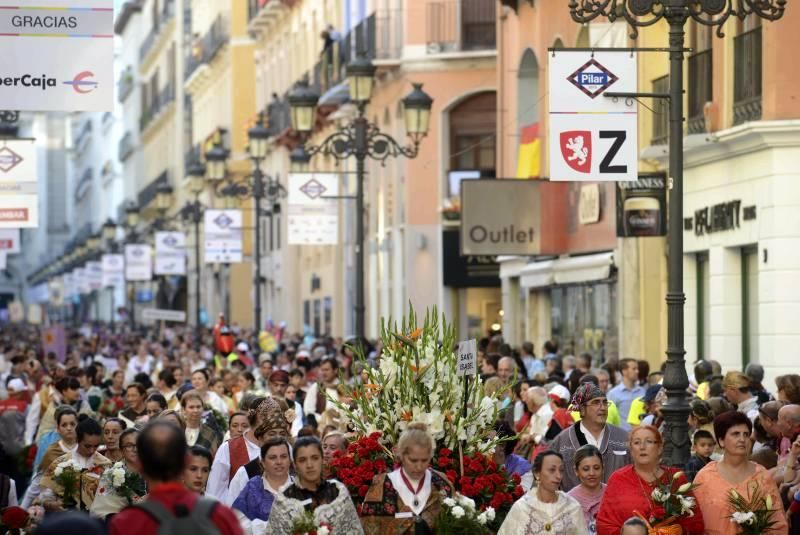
[
  {"x": 84, "y": 184},
  {"x": 660, "y": 113},
  {"x": 153, "y": 110},
  {"x": 205, "y": 49},
  {"x": 262, "y": 13},
  {"x": 389, "y": 34},
  {"x": 701, "y": 90},
  {"x": 460, "y": 25},
  {"x": 747, "y": 76},
  {"x": 167, "y": 14},
  {"x": 148, "y": 194},
  {"x": 125, "y": 147},
  {"x": 125, "y": 84},
  {"x": 82, "y": 137}
]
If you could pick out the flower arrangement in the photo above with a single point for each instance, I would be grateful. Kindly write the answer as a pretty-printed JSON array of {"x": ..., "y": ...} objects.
[
  {"x": 460, "y": 515},
  {"x": 68, "y": 475},
  {"x": 417, "y": 381},
  {"x": 671, "y": 501},
  {"x": 489, "y": 485},
  {"x": 125, "y": 483},
  {"x": 752, "y": 516},
  {"x": 14, "y": 519},
  {"x": 306, "y": 524},
  {"x": 364, "y": 458}
]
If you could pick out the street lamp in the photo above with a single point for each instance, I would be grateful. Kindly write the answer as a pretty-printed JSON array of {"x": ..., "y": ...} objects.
[
  {"x": 163, "y": 198},
  {"x": 360, "y": 139},
  {"x": 131, "y": 222},
  {"x": 641, "y": 13},
  {"x": 109, "y": 231},
  {"x": 192, "y": 212},
  {"x": 215, "y": 162}
]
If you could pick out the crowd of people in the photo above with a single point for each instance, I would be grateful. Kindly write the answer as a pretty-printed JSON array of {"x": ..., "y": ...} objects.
[{"x": 167, "y": 426}]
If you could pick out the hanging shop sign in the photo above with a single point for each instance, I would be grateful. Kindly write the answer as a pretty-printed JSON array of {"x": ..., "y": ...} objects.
[
  {"x": 138, "y": 262},
  {"x": 313, "y": 209},
  {"x": 82, "y": 279},
  {"x": 94, "y": 275},
  {"x": 113, "y": 266},
  {"x": 19, "y": 201},
  {"x": 499, "y": 217},
  {"x": 56, "y": 291},
  {"x": 9, "y": 240},
  {"x": 68, "y": 46},
  {"x": 642, "y": 207},
  {"x": 170, "y": 256},
  {"x": 223, "y": 236},
  {"x": 592, "y": 137}
]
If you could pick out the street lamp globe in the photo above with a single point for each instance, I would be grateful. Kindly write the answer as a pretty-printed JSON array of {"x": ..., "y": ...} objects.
[
  {"x": 303, "y": 107},
  {"x": 109, "y": 230},
  {"x": 132, "y": 216},
  {"x": 164, "y": 197},
  {"x": 215, "y": 163},
  {"x": 361, "y": 79},
  {"x": 417, "y": 107},
  {"x": 197, "y": 176},
  {"x": 299, "y": 159},
  {"x": 258, "y": 137},
  {"x": 93, "y": 242}
]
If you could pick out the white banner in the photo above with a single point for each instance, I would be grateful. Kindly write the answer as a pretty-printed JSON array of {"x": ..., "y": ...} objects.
[
  {"x": 19, "y": 203},
  {"x": 113, "y": 266},
  {"x": 82, "y": 280},
  {"x": 161, "y": 314},
  {"x": 56, "y": 291},
  {"x": 59, "y": 57},
  {"x": 592, "y": 137},
  {"x": 138, "y": 262},
  {"x": 94, "y": 275},
  {"x": 16, "y": 312},
  {"x": 9, "y": 240},
  {"x": 313, "y": 219},
  {"x": 223, "y": 236},
  {"x": 170, "y": 256}
]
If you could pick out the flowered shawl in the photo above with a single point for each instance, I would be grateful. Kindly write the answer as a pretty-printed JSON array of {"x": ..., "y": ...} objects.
[
  {"x": 382, "y": 503},
  {"x": 90, "y": 479},
  {"x": 340, "y": 513},
  {"x": 255, "y": 502}
]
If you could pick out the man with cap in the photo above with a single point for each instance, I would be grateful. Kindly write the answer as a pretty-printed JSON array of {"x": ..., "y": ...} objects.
[
  {"x": 736, "y": 387},
  {"x": 278, "y": 383},
  {"x": 613, "y": 412},
  {"x": 612, "y": 441},
  {"x": 18, "y": 396}
]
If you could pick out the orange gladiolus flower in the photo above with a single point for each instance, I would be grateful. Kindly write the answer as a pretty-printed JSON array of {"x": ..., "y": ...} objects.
[
  {"x": 407, "y": 416},
  {"x": 415, "y": 334}
]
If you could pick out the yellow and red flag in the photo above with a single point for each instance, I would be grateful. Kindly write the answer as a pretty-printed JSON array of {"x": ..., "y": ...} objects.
[{"x": 529, "y": 161}]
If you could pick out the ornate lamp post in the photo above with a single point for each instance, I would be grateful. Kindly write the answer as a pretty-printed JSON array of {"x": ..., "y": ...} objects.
[
  {"x": 360, "y": 139},
  {"x": 131, "y": 224},
  {"x": 192, "y": 212},
  {"x": 641, "y": 13}
]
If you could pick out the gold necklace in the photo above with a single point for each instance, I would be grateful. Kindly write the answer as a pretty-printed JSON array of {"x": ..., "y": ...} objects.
[{"x": 547, "y": 525}]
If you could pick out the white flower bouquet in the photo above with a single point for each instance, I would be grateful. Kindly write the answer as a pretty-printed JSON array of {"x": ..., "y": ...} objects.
[
  {"x": 67, "y": 474},
  {"x": 416, "y": 381},
  {"x": 459, "y": 515},
  {"x": 125, "y": 483},
  {"x": 753, "y": 516}
]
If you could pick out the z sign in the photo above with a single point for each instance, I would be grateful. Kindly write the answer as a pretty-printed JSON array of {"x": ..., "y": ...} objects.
[{"x": 592, "y": 138}]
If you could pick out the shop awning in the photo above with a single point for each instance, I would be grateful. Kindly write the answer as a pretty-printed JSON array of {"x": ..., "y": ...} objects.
[{"x": 569, "y": 270}]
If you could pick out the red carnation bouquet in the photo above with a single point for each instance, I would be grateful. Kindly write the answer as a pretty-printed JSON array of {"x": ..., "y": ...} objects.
[
  {"x": 483, "y": 481},
  {"x": 365, "y": 458},
  {"x": 14, "y": 520}
]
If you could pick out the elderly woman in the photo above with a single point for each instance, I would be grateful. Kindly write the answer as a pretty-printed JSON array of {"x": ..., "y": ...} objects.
[
  {"x": 110, "y": 500},
  {"x": 589, "y": 467},
  {"x": 630, "y": 488},
  {"x": 408, "y": 499},
  {"x": 197, "y": 431},
  {"x": 328, "y": 500},
  {"x": 734, "y": 472},
  {"x": 545, "y": 509}
]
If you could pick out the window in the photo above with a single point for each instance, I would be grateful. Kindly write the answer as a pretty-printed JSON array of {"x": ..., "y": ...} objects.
[
  {"x": 703, "y": 308},
  {"x": 328, "y": 310},
  {"x": 750, "y": 303},
  {"x": 317, "y": 317},
  {"x": 747, "y": 71},
  {"x": 701, "y": 88},
  {"x": 306, "y": 313},
  {"x": 584, "y": 318},
  {"x": 661, "y": 112}
]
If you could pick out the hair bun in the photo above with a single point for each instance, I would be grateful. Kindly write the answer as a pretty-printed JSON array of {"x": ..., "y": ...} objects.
[{"x": 82, "y": 417}]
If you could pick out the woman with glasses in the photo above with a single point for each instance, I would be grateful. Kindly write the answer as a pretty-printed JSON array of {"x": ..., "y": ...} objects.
[
  {"x": 593, "y": 428},
  {"x": 630, "y": 489},
  {"x": 113, "y": 494}
]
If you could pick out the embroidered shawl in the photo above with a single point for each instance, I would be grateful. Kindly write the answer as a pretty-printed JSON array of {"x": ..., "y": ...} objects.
[
  {"x": 339, "y": 513},
  {"x": 255, "y": 502}
]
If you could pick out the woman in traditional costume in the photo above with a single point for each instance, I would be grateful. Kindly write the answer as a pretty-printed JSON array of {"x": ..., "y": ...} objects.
[
  {"x": 328, "y": 500},
  {"x": 545, "y": 509},
  {"x": 254, "y": 503},
  {"x": 629, "y": 490},
  {"x": 112, "y": 430},
  {"x": 198, "y": 433},
  {"x": 734, "y": 472},
  {"x": 66, "y": 420},
  {"x": 407, "y": 500},
  {"x": 109, "y": 500},
  {"x": 589, "y": 468},
  {"x": 92, "y": 465}
]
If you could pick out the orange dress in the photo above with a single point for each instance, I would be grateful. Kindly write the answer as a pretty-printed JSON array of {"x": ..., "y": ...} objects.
[{"x": 712, "y": 497}]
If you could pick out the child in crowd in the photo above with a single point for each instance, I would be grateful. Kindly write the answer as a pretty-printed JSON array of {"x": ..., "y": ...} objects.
[{"x": 703, "y": 446}]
